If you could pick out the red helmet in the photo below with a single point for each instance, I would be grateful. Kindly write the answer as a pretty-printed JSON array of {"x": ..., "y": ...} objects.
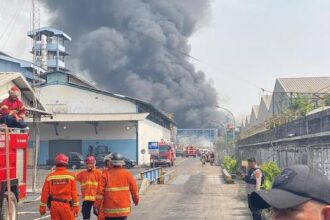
[
  {"x": 14, "y": 90},
  {"x": 61, "y": 159},
  {"x": 90, "y": 159}
]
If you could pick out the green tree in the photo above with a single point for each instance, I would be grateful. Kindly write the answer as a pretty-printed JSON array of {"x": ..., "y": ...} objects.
[
  {"x": 230, "y": 164},
  {"x": 327, "y": 100},
  {"x": 299, "y": 105}
]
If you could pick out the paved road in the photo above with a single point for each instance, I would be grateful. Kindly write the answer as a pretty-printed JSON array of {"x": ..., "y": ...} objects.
[{"x": 197, "y": 193}]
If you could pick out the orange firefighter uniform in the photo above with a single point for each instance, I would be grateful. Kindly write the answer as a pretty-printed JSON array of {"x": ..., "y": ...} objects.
[
  {"x": 113, "y": 195},
  {"x": 60, "y": 185},
  {"x": 89, "y": 180},
  {"x": 100, "y": 213}
]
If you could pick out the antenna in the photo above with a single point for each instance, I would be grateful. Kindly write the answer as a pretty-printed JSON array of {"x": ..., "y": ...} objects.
[{"x": 35, "y": 72}]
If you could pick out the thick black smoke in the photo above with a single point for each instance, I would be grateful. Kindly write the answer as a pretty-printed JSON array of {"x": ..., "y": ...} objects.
[{"x": 137, "y": 48}]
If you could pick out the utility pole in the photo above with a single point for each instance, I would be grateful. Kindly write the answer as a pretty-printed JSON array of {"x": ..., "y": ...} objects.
[{"x": 234, "y": 124}]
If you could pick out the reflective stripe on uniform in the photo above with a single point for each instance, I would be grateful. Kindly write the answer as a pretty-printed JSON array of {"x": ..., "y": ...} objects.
[
  {"x": 115, "y": 189},
  {"x": 89, "y": 183},
  {"x": 59, "y": 177},
  {"x": 89, "y": 198},
  {"x": 43, "y": 204},
  {"x": 117, "y": 211},
  {"x": 76, "y": 204}
]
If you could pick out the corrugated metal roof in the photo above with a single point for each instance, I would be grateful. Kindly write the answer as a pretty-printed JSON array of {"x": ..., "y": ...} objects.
[
  {"x": 267, "y": 99},
  {"x": 255, "y": 110},
  {"x": 50, "y": 31},
  {"x": 6, "y": 77},
  {"x": 247, "y": 120},
  {"x": 20, "y": 81},
  {"x": 306, "y": 84},
  {"x": 24, "y": 64}
]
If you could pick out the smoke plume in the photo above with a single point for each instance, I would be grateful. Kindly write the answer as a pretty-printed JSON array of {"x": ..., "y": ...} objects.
[{"x": 139, "y": 48}]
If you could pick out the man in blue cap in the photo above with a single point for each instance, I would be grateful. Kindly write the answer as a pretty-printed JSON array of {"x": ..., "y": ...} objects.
[{"x": 298, "y": 193}]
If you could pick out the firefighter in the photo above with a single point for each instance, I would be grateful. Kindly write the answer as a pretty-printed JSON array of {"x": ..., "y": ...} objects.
[
  {"x": 59, "y": 192},
  {"x": 106, "y": 167},
  {"x": 89, "y": 180},
  {"x": 107, "y": 164},
  {"x": 115, "y": 187},
  {"x": 12, "y": 110}
]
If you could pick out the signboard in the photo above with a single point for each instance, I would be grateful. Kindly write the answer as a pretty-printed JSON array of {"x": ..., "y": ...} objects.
[
  {"x": 153, "y": 148},
  {"x": 229, "y": 136},
  {"x": 244, "y": 163}
]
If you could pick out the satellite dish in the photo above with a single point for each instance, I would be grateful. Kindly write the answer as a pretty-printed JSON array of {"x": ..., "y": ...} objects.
[{"x": 143, "y": 151}]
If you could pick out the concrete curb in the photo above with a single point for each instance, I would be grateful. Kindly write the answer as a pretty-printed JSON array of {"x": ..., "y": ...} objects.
[
  {"x": 168, "y": 176},
  {"x": 144, "y": 186}
]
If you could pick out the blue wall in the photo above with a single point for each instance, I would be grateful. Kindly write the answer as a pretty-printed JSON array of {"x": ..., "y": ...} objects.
[
  {"x": 57, "y": 77},
  {"x": 125, "y": 147},
  {"x": 43, "y": 152}
]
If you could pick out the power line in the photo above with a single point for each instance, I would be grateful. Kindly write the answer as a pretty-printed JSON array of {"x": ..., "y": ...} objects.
[{"x": 11, "y": 24}]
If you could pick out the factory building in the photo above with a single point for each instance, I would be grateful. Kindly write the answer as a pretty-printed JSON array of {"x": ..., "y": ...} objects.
[
  {"x": 84, "y": 118},
  {"x": 26, "y": 68}
]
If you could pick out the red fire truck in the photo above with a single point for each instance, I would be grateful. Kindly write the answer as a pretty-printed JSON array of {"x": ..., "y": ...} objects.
[
  {"x": 13, "y": 161},
  {"x": 166, "y": 156},
  {"x": 190, "y": 151}
]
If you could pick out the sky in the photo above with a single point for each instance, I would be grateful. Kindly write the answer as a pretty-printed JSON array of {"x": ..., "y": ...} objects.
[
  {"x": 247, "y": 44},
  {"x": 242, "y": 46}
]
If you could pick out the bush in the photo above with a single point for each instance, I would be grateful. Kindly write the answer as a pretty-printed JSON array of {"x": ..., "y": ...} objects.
[
  {"x": 230, "y": 164},
  {"x": 270, "y": 171}
]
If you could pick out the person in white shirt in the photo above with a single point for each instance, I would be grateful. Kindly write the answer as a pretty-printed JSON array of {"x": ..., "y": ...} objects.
[{"x": 253, "y": 179}]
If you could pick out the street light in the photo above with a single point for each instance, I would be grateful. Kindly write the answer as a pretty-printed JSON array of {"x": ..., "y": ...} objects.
[{"x": 234, "y": 124}]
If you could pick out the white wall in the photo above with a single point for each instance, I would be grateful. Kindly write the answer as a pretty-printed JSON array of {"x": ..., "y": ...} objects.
[
  {"x": 84, "y": 131},
  {"x": 150, "y": 131},
  {"x": 77, "y": 100}
]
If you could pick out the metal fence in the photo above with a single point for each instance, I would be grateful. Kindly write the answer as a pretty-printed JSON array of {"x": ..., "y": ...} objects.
[
  {"x": 316, "y": 156},
  {"x": 152, "y": 175},
  {"x": 311, "y": 124}
]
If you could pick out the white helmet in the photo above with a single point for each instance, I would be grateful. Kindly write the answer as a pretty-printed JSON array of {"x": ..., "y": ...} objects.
[{"x": 107, "y": 158}]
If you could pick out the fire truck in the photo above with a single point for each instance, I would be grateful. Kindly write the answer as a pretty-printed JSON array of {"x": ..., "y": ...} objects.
[
  {"x": 13, "y": 170},
  {"x": 166, "y": 156},
  {"x": 190, "y": 151}
]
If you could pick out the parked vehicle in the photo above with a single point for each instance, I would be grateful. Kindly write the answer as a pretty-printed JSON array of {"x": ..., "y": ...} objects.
[
  {"x": 129, "y": 163},
  {"x": 190, "y": 151},
  {"x": 166, "y": 156},
  {"x": 179, "y": 153},
  {"x": 76, "y": 160},
  {"x": 18, "y": 143},
  {"x": 99, "y": 152}
]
